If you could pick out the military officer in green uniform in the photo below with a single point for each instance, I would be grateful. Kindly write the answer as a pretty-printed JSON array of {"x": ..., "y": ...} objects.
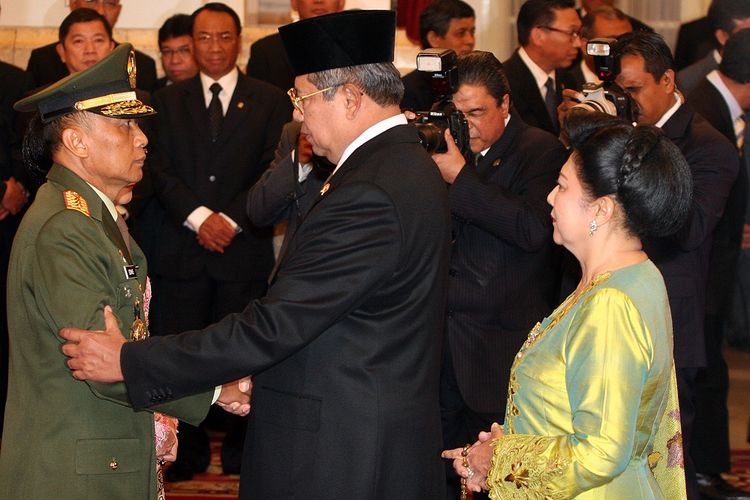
[{"x": 71, "y": 257}]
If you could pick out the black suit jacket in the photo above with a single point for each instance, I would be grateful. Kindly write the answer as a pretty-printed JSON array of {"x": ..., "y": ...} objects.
[
  {"x": 708, "y": 101},
  {"x": 694, "y": 40},
  {"x": 189, "y": 171},
  {"x": 503, "y": 275},
  {"x": 683, "y": 259},
  {"x": 14, "y": 83},
  {"x": 525, "y": 95},
  {"x": 269, "y": 62},
  {"x": 346, "y": 345},
  {"x": 46, "y": 67}
]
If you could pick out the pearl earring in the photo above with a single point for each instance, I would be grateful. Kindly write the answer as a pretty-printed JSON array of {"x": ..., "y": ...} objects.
[{"x": 593, "y": 227}]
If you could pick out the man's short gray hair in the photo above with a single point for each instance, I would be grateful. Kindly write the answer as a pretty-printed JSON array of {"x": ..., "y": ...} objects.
[{"x": 381, "y": 81}]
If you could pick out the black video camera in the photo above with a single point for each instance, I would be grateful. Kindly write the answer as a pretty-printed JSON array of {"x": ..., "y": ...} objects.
[
  {"x": 431, "y": 125},
  {"x": 607, "y": 97}
]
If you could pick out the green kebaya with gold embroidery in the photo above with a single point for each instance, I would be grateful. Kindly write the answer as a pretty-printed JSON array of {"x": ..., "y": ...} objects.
[{"x": 589, "y": 390}]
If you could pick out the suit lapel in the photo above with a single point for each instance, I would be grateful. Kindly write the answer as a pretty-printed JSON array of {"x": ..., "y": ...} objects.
[
  {"x": 402, "y": 133},
  {"x": 238, "y": 108},
  {"x": 196, "y": 106}
]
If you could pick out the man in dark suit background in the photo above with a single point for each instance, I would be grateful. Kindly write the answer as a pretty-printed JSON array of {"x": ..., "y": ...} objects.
[
  {"x": 268, "y": 59},
  {"x": 14, "y": 196},
  {"x": 725, "y": 17},
  {"x": 549, "y": 39},
  {"x": 443, "y": 24},
  {"x": 646, "y": 74},
  {"x": 213, "y": 137},
  {"x": 345, "y": 347},
  {"x": 503, "y": 275},
  {"x": 723, "y": 98},
  {"x": 694, "y": 41},
  {"x": 46, "y": 67},
  {"x": 176, "y": 48}
]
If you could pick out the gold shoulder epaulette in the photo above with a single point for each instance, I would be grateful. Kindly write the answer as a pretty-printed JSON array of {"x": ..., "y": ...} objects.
[{"x": 74, "y": 201}]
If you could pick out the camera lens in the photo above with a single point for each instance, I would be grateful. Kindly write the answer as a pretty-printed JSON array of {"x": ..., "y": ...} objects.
[{"x": 431, "y": 137}]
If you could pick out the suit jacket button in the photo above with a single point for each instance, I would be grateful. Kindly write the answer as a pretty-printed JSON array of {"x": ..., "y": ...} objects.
[
  {"x": 113, "y": 464},
  {"x": 212, "y": 178}
]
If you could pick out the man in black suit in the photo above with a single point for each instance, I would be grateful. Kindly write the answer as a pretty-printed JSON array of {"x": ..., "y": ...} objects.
[
  {"x": 723, "y": 98},
  {"x": 46, "y": 67},
  {"x": 695, "y": 40},
  {"x": 13, "y": 196},
  {"x": 549, "y": 39},
  {"x": 443, "y": 24},
  {"x": 646, "y": 74},
  {"x": 268, "y": 59},
  {"x": 214, "y": 136},
  {"x": 503, "y": 274},
  {"x": 176, "y": 48},
  {"x": 345, "y": 347},
  {"x": 726, "y": 17}
]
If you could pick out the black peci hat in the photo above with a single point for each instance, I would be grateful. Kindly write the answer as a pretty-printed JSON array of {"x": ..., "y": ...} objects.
[
  {"x": 107, "y": 88},
  {"x": 348, "y": 38}
]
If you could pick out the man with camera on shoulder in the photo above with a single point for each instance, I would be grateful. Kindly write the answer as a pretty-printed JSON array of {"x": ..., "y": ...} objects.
[{"x": 503, "y": 271}]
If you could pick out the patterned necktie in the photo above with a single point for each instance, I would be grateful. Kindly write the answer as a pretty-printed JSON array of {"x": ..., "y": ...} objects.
[
  {"x": 739, "y": 131},
  {"x": 215, "y": 112},
  {"x": 550, "y": 101}
]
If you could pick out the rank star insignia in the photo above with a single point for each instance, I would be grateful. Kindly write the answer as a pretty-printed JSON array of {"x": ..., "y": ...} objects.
[
  {"x": 74, "y": 201},
  {"x": 325, "y": 188}
]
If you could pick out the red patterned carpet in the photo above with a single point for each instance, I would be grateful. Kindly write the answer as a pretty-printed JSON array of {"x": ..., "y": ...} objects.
[
  {"x": 213, "y": 485},
  {"x": 740, "y": 475}
]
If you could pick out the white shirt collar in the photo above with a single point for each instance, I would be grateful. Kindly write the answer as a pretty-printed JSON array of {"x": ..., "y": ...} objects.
[
  {"x": 370, "y": 133},
  {"x": 666, "y": 116},
  {"x": 540, "y": 76},
  {"x": 717, "y": 56},
  {"x": 735, "y": 111},
  {"x": 228, "y": 83},
  {"x": 107, "y": 202}
]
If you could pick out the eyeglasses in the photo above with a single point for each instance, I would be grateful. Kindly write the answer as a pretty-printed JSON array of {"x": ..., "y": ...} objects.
[
  {"x": 297, "y": 100},
  {"x": 179, "y": 51},
  {"x": 223, "y": 38},
  {"x": 574, "y": 34},
  {"x": 106, "y": 3}
]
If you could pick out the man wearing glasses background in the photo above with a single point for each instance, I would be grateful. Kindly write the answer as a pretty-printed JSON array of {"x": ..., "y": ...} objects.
[
  {"x": 214, "y": 136},
  {"x": 46, "y": 66},
  {"x": 176, "y": 48},
  {"x": 549, "y": 39}
]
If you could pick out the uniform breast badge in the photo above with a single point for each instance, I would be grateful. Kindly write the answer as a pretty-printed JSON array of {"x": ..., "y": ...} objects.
[{"x": 138, "y": 330}]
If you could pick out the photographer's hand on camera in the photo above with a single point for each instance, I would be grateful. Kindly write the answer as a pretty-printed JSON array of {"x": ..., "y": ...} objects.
[{"x": 451, "y": 162}]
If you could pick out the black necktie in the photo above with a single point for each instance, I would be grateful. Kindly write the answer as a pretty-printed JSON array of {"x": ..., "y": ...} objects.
[
  {"x": 215, "y": 113},
  {"x": 550, "y": 101}
]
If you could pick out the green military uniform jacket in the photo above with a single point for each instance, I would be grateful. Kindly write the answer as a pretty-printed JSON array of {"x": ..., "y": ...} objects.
[{"x": 64, "y": 438}]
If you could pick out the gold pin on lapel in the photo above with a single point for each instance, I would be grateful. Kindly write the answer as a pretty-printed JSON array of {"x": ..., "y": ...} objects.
[
  {"x": 325, "y": 188},
  {"x": 496, "y": 163},
  {"x": 240, "y": 104}
]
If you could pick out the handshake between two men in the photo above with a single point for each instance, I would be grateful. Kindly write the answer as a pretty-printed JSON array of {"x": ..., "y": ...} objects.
[{"x": 95, "y": 356}]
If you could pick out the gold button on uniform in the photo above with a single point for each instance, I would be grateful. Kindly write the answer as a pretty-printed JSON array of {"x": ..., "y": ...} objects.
[{"x": 113, "y": 464}]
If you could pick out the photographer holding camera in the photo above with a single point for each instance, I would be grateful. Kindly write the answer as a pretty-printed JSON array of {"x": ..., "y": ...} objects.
[{"x": 503, "y": 272}]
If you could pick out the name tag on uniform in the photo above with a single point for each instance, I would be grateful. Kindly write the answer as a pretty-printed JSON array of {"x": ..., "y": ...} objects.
[{"x": 130, "y": 272}]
